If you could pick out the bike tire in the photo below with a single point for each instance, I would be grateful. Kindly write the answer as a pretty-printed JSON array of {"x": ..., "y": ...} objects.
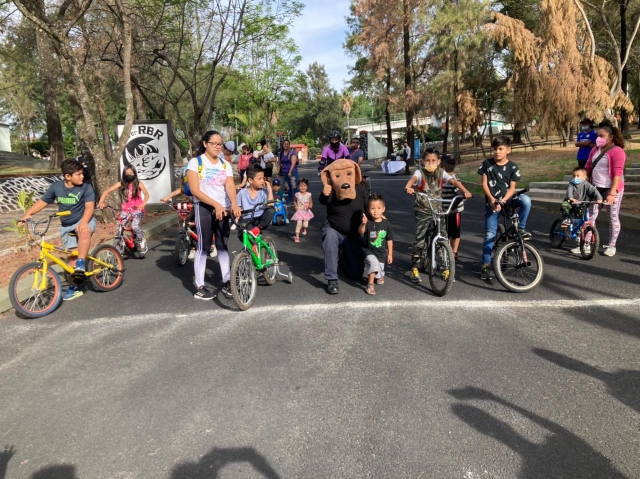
[
  {"x": 279, "y": 221},
  {"x": 557, "y": 235},
  {"x": 270, "y": 274},
  {"x": 138, "y": 252},
  {"x": 442, "y": 278},
  {"x": 181, "y": 249},
  {"x": 109, "y": 278},
  {"x": 589, "y": 250},
  {"x": 509, "y": 258},
  {"x": 119, "y": 245},
  {"x": 39, "y": 303},
  {"x": 243, "y": 281}
]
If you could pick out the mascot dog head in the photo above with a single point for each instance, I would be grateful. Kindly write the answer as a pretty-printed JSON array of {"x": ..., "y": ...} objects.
[{"x": 343, "y": 176}]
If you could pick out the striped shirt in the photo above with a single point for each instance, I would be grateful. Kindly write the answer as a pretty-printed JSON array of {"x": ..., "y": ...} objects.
[{"x": 449, "y": 192}]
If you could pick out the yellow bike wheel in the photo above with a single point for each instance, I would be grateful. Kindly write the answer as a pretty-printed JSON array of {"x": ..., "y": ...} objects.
[
  {"x": 109, "y": 277},
  {"x": 33, "y": 293}
]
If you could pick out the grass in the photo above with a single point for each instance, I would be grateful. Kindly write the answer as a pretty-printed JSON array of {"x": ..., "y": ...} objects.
[{"x": 18, "y": 171}]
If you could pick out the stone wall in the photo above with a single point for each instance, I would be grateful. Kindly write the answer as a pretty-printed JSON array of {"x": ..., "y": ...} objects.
[{"x": 10, "y": 187}]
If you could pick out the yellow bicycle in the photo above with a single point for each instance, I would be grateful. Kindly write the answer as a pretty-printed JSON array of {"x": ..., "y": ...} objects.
[{"x": 35, "y": 289}]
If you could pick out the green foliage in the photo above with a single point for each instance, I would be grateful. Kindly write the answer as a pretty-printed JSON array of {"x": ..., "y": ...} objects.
[
  {"x": 313, "y": 151},
  {"x": 41, "y": 146},
  {"x": 25, "y": 201}
]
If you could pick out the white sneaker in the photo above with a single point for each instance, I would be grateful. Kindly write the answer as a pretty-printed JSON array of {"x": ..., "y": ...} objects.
[
  {"x": 213, "y": 252},
  {"x": 192, "y": 253},
  {"x": 233, "y": 226},
  {"x": 610, "y": 251},
  {"x": 575, "y": 250}
]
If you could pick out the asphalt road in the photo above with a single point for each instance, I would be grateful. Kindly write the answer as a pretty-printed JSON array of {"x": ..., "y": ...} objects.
[{"x": 146, "y": 382}]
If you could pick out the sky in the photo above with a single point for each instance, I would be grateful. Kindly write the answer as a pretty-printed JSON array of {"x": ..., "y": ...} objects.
[{"x": 319, "y": 33}]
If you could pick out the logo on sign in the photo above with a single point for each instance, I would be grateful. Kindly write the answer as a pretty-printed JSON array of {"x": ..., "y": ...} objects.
[{"x": 143, "y": 153}]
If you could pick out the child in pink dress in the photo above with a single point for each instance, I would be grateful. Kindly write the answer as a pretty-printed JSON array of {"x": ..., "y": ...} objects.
[{"x": 303, "y": 204}]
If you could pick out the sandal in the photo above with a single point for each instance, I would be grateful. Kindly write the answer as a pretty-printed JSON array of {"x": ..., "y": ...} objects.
[
  {"x": 455, "y": 255},
  {"x": 296, "y": 239},
  {"x": 304, "y": 231},
  {"x": 380, "y": 281},
  {"x": 370, "y": 289}
]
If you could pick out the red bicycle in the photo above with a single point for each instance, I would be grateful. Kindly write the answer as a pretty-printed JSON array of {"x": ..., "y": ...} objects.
[
  {"x": 125, "y": 241},
  {"x": 187, "y": 239}
]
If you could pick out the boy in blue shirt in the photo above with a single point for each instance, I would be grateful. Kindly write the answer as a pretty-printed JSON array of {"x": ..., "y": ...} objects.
[
  {"x": 586, "y": 141},
  {"x": 74, "y": 195},
  {"x": 255, "y": 193}
]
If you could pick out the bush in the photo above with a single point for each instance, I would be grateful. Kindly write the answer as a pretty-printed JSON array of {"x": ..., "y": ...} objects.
[
  {"x": 313, "y": 151},
  {"x": 41, "y": 146}
]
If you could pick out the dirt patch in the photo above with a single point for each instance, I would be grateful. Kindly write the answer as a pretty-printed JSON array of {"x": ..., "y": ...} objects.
[{"x": 104, "y": 232}]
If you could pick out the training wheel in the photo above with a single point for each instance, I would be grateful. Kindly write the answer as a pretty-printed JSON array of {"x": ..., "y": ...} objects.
[{"x": 290, "y": 278}]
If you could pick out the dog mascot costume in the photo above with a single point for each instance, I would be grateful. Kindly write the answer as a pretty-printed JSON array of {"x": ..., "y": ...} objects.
[{"x": 345, "y": 199}]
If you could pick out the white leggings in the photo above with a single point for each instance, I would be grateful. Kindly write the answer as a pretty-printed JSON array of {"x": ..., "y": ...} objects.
[{"x": 614, "y": 217}]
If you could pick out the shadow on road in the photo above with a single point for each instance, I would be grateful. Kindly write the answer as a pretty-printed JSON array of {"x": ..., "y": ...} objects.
[
  {"x": 623, "y": 384},
  {"x": 608, "y": 318},
  {"x": 5, "y": 457},
  {"x": 562, "y": 454},
  {"x": 63, "y": 471},
  {"x": 216, "y": 459}
]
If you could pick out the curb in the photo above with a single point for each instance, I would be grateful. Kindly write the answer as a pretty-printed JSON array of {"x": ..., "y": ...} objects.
[
  {"x": 150, "y": 229},
  {"x": 628, "y": 221}
]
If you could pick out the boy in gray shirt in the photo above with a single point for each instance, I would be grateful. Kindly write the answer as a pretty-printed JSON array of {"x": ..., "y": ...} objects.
[{"x": 579, "y": 190}]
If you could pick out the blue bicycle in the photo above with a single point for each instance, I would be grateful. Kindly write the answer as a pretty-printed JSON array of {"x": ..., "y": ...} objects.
[{"x": 579, "y": 227}]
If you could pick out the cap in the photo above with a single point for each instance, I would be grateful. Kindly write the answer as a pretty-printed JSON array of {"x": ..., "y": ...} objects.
[
  {"x": 586, "y": 121},
  {"x": 276, "y": 183},
  {"x": 231, "y": 146}
]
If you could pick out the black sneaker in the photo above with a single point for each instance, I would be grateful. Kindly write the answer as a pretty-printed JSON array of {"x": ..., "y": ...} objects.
[
  {"x": 525, "y": 234},
  {"x": 204, "y": 294},
  {"x": 332, "y": 287},
  {"x": 226, "y": 289},
  {"x": 484, "y": 272}
]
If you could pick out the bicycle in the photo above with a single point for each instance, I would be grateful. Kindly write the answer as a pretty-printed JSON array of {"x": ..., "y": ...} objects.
[
  {"x": 124, "y": 239},
  {"x": 258, "y": 254},
  {"x": 187, "y": 238},
  {"x": 513, "y": 256},
  {"x": 35, "y": 289},
  {"x": 581, "y": 227},
  {"x": 436, "y": 258}
]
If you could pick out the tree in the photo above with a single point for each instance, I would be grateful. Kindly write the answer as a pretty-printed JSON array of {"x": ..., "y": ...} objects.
[
  {"x": 608, "y": 13},
  {"x": 70, "y": 45}
]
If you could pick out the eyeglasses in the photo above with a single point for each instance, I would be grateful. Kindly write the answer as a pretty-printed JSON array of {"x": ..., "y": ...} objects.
[{"x": 215, "y": 145}]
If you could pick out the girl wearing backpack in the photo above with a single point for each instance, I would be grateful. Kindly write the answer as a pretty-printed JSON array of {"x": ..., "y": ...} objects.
[
  {"x": 210, "y": 182},
  {"x": 605, "y": 168}
]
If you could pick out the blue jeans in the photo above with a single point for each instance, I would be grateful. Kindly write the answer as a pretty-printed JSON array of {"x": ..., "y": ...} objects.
[
  {"x": 291, "y": 191},
  {"x": 491, "y": 224}
]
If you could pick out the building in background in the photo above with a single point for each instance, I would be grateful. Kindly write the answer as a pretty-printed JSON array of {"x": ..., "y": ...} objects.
[{"x": 5, "y": 137}]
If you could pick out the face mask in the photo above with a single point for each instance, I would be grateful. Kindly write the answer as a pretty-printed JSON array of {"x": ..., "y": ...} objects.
[
  {"x": 576, "y": 181},
  {"x": 431, "y": 168},
  {"x": 129, "y": 177},
  {"x": 335, "y": 146},
  {"x": 600, "y": 142},
  {"x": 585, "y": 128}
]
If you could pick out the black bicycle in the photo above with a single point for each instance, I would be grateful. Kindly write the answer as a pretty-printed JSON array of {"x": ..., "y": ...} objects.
[
  {"x": 517, "y": 264},
  {"x": 436, "y": 258}
]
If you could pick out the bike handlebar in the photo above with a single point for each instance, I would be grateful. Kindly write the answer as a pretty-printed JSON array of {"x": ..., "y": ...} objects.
[
  {"x": 456, "y": 200},
  {"x": 262, "y": 205},
  {"x": 34, "y": 224}
]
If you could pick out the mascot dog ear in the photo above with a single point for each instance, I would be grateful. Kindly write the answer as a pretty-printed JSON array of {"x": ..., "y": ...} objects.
[{"x": 343, "y": 176}]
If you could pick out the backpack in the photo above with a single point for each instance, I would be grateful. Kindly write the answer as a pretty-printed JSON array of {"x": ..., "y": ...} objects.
[{"x": 185, "y": 181}]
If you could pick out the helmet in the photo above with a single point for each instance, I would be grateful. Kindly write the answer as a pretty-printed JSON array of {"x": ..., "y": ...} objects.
[{"x": 335, "y": 134}]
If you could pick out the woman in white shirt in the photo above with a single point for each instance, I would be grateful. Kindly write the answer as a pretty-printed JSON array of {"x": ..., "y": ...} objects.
[{"x": 211, "y": 183}]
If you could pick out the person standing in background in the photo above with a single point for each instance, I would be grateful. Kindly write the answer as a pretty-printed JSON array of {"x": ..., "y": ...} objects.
[{"x": 586, "y": 141}]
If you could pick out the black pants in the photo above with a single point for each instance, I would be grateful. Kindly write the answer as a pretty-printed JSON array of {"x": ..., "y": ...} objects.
[
  {"x": 207, "y": 225},
  {"x": 262, "y": 222}
]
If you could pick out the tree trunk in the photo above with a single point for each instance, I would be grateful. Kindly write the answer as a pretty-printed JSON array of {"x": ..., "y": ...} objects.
[
  {"x": 624, "y": 114},
  {"x": 456, "y": 124},
  {"x": 102, "y": 115},
  {"x": 49, "y": 81},
  {"x": 141, "y": 113},
  {"x": 445, "y": 143},
  {"x": 406, "y": 18},
  {"x": 387, "y": 114}
]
